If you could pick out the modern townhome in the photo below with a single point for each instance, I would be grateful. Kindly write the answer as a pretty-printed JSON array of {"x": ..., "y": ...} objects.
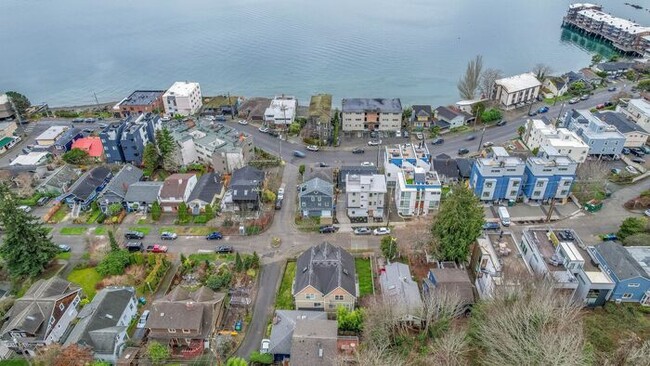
[
  {"x": 41, "y": 316},
  {"x": 422, "y": 116},
  {"x": 64, "y": 142},
  {"x": 451, "y": 278},
  {"x": 116, "y": 189},
  {"x": 316, "y": 198},
  {"x": 402, "y": 293},
  {"x": 366, "y": 196},
  {"x": 400, "y": 157},
  {"x": 60, "y": 180},
  {"x": 560, "y": 255},
  {"x": 139, "y": 102},
  {"x": 102, "y": 323},
  {"x": 208, "y": 190},
  {"x": 314, "y": 343},
  {"x": 601, "y": 138},
  {"x": 136, "y": 134},
  {"x": 245, "y": 189},
  {"x": 221, "y": 146},
  {"x": 320, "y": 116},
  {"x": 452, "y": 117},
  {"x": 548, "y": 176},
  {"x": 111, "y": 137},
  {"x": 186, "y": 320},
  {"x": 346, "y": 170},
  {"x": 498, "y": 177},
  {"x": 497, "y": 264},
  {"x": 367, "y": 114},
  {"x": 283, "y": 325},
  {"x": 49, "y": 136},
  {"x": 183, "y": 98},
  {"x": 87, "y": 188},
  {"x": 629, "y": 269},
  {"x": 564, "y": 141},
  {"x": 638, "y": 110},
  {"x": 635, "y": 136},
  {"x": 417, "y": 192},
  {"x": 141, "y": 195},
  {"x": 281, "y": 111},
  {"x": 92, "y": 145},
  {"x": 325, "y": 279},
  {"x": 220, "y": 105},
  {"x": 516, "y": 91},
  {"x": 555, "y": 86},
  {"x": 176, "y": 189}
]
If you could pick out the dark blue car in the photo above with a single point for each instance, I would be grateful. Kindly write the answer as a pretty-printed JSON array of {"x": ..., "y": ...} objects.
[
  {"x": 543, "y": 109},
  {"x": 491, "y": 226},
  {"x": 214, "y": 236}
]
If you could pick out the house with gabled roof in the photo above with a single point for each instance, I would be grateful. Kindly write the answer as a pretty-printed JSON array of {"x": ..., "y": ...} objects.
[
  {"x": 209, "y": 188},
  {"x": 60, "y": 180},
  {"x": 42, "y": 316},
  {"x": 325, "y": 279},
  {"x": 176, "y": 189},
  {"x": 314, "y": 343},
  {"x": 400, "y": 291},
  {"x": 316, "y": 198},
  {"x": 625, "y": 266},
  {"x": 245, "y": 190},
  {"x": 141, "y": 195},
  {"x": 282, "y": 327},
  {"x": 422, "y": 116},
  {"x": 103, "y": 323},
  {"x": 454, "y": 117},
  {"x": 87, "y": 188},
  {"x": 116, "y": 189},
  {"x": 555, "y": 86}
]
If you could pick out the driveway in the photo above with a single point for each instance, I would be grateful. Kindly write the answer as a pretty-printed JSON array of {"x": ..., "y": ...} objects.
[{"x": 268, "y": 285}]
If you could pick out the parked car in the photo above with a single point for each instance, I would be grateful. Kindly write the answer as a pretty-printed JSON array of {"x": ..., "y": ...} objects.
[
  {"x": 438, "y": 141},
  {"x": 543, "y": 109},
  {"x": 631, "y": 169},
  {"x": 215, "y": 235},
  {"x": 584, "y": 97},
  {"x": 64, "y": 248},
  {"x": 220, "y": 118},
  {"x": 362, "y": 231},
  {"x": 367, "y": 163},
  {"x": 405, "y": 134},
  {"x": 281, "y": 192},
  {"x": 502, "y": 122},
  {"x": 374, "y": 134},
  {"x": 243, "y": 122},
  {"x": 470, "y": 138},
  {"x": 565, "y": 235},
  {"x": 374, "y": 142},
  {"x": 491, "y": 226},
  {"x": 278, "y": 204},
  {"x": 615, "y": 171},
  {"x": 312, "y": 147},
  {"x": 25, "y": 209},
  {"x": 419, "y": 136},
  {"x": 600, "y": 106},
  {"x": 625, "y": 151},
  {"x": 77, "y": 120},
  {"x": 398, "y": 133},
  {"x": 298, "y": 154},
  {"x": 103, "y": 125},
  {"x": 639, "y": 161},
  {"x": 90, "y": 120},
  {"x": 42, "y": 201},
  {"x": 381, "y": 231},
  {"x": 266, "y": 345},
  {"x": 143, "y": 319},
  {"x": 463, "y": 151},
  {"x": 263, "y": 129},
  {"x": 323, "y": 165},
  {"x": 156, "y": 248},
  {"x": 647, "y": 212},
  {"x": 645, "y": 149},
  {"x": 328, "y": 229},
  {"x": 238, "y": 325},
  {"x": 574, "y": 100},
  {"x": 488, "y": 144},
  {"x": 134, "y": 246},
  {"x": 222, "y": 249},
  {"x": 609, "y": 237},
  {"x": 358, "y": 150},
  {"x": 166, "y": 235},
  {"x": 133, "y": 235},
  {"x": 637, "y": 152},
  {"x": 609, "y": 104},
  {"x": 532, "y": 113},
  {"x": 611, "y": 88}
]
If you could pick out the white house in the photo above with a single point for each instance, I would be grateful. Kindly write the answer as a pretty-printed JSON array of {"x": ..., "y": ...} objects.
[
  {"x": 638, "y": 110},
  {"x": 366, "y": 195},
  {"x": 555, "y": 86},
  {"x": 282, "y": 110},
  {"x": 515, "y": 91},
  {"x": 417, "y": 192},
  {"x": 183, "y": 98},
  {"x": 565, "y": 142}
]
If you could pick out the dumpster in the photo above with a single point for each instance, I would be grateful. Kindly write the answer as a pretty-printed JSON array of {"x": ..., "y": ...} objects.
[{"x": 594, "y": 205}]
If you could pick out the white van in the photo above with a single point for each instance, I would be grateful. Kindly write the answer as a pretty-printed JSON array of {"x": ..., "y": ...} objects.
[{"x": 504, "y": 216}]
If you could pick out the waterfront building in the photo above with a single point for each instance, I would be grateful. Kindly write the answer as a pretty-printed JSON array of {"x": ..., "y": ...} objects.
[
  {"x": 371, "y": 114},
  {"x": 320, "y": 116},
  {"x": 549, "y": 175},
  {"x": 422, "y": 116},
  {"x": 638, "y": 110},
  {"x": 601, "y": 138},
  {"x": 538, "y": 134},
  {"x": 498, "y": 176},
  {"x": 516, "y": 91},
  {"x": 183, "y": 98},
  {"x": 139, "y": 102},
  {"x": 452, "y": 116},
  {"x": 365, "y": 196},
  {"x": 635, "y": 136},
  {"x": 281, "y": 111}
]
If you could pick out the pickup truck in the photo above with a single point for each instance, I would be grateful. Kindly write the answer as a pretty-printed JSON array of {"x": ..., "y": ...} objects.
[{"x": 156, "y": 248}]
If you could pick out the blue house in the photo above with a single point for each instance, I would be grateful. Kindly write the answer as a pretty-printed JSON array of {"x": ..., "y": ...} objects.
[
  {"x": 87, "y": 188},
  {"x": 64, "y": 142},
  {"x": 498, "y": 176},
  {"x": 549, "y": 175},
  {"x": 136, "y": 135},
  {"x": 602, "y": 138},
  {"x": 111, "y": 138},
  {"x": 629, "y": 267}
]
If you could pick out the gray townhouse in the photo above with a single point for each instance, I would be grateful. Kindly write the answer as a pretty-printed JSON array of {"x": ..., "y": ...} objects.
[
  {"x": 316, "y": 197},
  {"x": 602, "y": 138}
]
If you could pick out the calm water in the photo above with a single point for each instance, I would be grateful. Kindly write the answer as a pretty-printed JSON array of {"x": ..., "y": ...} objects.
[{"x": 61, "y": 51}]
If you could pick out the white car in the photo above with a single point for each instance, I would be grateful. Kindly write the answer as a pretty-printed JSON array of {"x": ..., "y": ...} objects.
[
  {"x": 243, "y": 122},
  {"x": 263, "y": 129},
  {"x": 266, "y": 345},
  {"x": 143, "y": 319},
  {"x": 488, "y": 144},
  {"x": 630, "y": 169},
  {"x": 398, "y": 133},
  {"x": 374, "y": 142},
  {"x": 367, "y": 163},
  {"x": 381, "y": 231},
  {"x": 26, "y": 209},
  {"x": 647, "y": 212},
  {"x": 312, "y": 147}
]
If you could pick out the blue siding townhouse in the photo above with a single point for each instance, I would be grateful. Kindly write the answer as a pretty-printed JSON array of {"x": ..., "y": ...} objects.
[
  {"x": 602, "y": 138},
  {"x": 629, "y": 267},
  {"x": 64, "y": 142},
  {"x": 111, "y": 140},
  {"x": 497, "y": 177},
  {"x": 549, "y": 175},
  {"x": 86, "y": 189},
  {"x": 136, "y": 135}
]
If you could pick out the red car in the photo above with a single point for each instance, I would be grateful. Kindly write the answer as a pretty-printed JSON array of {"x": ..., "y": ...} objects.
[{"x": 157, "y": 248}]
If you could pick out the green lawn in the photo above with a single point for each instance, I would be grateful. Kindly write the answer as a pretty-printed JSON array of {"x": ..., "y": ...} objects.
[
  {"x": 64, "y": 255},
  {"x": 364, "y": 274},
  {"x": 143, "y": 229},
  {"x": 200, "y": 257},
  {"x": 14, "y": 362},
  {"x": 60, "y": 214},
  {"x": 87, "y": 278},
  {"x": 606, "y": 327},
  {"x": 100, "y": 230},
  {"x": 73, "y": 230},
  {"x": 92, "y": 216},
  {"x": 284, "y": 300},
  {"x": 170, "y": 229},
  {"x": 143, "y": 221}
]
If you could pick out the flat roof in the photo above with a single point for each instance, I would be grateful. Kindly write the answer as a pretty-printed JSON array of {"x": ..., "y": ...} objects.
[
  {"x": 142, "y": 97},
  {"x": 33, "y": 158},
  {"x": 519, "y": 82},
  {"x": 182, "y": 88},
  {"x": 513, "y": 260},
  {"x": 598, "y": 277},
  {"x": 383, "y": 105},
  {"x": 52, "y": 133},
  {"x": 641, "y": 104},
  {"x": 625, "y": 25},
  {"x": 4, "y": 98},
  {"x": 5, "y": 141}
]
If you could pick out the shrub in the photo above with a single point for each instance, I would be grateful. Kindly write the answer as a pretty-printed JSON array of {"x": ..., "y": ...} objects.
[
  {"x": 253, "y": 230},
  {"x": 268, "y": 196},
  {"x": 218, "y": 281},
  {"x": 261, "y": 358},
  {"x": 114, "y": 263},
  {"x": 491, "y": 115},
  {"x": 156, "y": 211}
]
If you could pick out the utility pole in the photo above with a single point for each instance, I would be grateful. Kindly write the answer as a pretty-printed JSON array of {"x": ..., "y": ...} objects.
[
  {"x": 560, "y": 113},
  {"x": 481, "y": 140},
  {"x": 96, "y": 100},
  {"x": 550, "y": 211}
]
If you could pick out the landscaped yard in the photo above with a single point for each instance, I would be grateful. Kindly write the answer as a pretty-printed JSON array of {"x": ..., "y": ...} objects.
[
  {"x": 87, "y": 278},
  {"x": 606, "y": 327},
  {"x": 364, "y": 274},
  {"x": 284, "y": 300},
  {"x": 64, "y": 255},
  {"x": 100, "y": 230},
  {"x": 14, "y": 362},
  {"x": 188, "y": 230},
  {"x": 73, "y": 230},
  {"x": 202, "y": 257},
  {"x": 60, "y": 214},
  {"x": 143, "y": 229}
]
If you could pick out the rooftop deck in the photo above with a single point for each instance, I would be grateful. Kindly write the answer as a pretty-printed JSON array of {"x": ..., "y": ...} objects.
[
  {"x": 541, "y": 237},
  {"x": 506, "y": 250}
]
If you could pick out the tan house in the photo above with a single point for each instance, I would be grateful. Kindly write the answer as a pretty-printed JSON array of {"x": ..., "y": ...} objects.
[
  {"x": 325, "y": 279},
  {"x": 555, "y": 86},
  {"x": 176, "y": 189}
]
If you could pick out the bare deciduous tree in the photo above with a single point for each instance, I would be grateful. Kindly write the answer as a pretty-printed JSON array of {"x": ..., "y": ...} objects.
[
  {"x": 449, "y": 350},
  {"x": 441, "y": 306},
  {"x": 591, "y": 177},
  {"x": 541, "y": 71},
  {"x": 468, "y": 84},
  {"x": 488, "y": 78},
  {"x": 532, "y": 324},
  {"x": 370, "y": 356},
  {"x": 24, "y": 183}
]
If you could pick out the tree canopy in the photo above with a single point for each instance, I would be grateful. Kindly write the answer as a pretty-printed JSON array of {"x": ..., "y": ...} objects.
[
  {"x": 27, "y": 247},
  {"x": 458, "y": 224},
  {"x": 20, "y": 102},
  {"x": 631, "y": 226},
  {"x": 491, "y": 115},
  {"x": 469, "y": 82},
  {"x": 166, "y": 149},
  {"x": 157, "y": 352},
  {"x": 389, "y": 247},
  {"x": 76, "y": 157}
]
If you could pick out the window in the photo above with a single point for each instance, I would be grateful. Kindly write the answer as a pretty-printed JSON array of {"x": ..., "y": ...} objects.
[
  {"x": 539, "y": 184},
  {"x": 486, "y": 194},
  {"x": 627, "y": 296},
  {"x": 488, "y": 185},
  {"x": 633, "y": 285},
  {"x": 567, "y": 183},
  {"x": 313, "y": 199},
  {"x": 186, "y": 331},
  {"x": 512, "y": 193},
  {"x": 310, "y": 296},
  {"x": 61, "y": 307},
  {"x": 564, "y": 191},
  {"x": 171, "y": 330},
  {"x": 516, "y": 183},
  {"x": 338, "y": 297},
  {"x": 317, "y": 305},
  {"x": 537, "y": 193}
]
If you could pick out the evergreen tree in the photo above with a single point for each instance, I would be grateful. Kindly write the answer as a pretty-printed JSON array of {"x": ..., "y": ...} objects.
[
  {"x": 113, "y": 242},
  {"x": 150, "y": 159},
  {"x": 209, "y": 213},
  {"x": 27, "y": 247},
  {"x": 239, "y": 265},
  {"x": 156, "y": 211},
  {"x": 20, "y": 102},
  {"x": 167, "y": 149},
  {"x": 183, "y": 214},
  {"x": 255, "y": 263}
]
